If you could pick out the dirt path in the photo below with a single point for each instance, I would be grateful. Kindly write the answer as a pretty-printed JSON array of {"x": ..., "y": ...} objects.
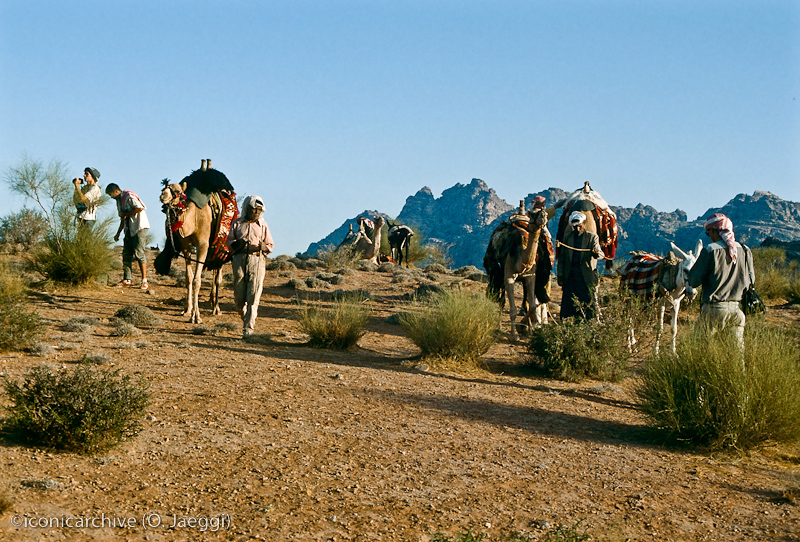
[{"x": 246, "y": 441}]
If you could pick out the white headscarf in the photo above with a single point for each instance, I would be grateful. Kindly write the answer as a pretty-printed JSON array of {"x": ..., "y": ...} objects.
[
  {"x": 252, "y": 201},
  {"x": 577, "y": 217}
]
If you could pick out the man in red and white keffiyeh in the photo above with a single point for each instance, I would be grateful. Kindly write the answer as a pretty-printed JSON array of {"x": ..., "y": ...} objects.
[{"x": 723, "y": 226}]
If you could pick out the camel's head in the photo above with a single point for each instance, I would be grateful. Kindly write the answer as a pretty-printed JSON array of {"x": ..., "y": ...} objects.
[
  {"x": 538, "y": 219},
  {"x": 171, "y": 194}
]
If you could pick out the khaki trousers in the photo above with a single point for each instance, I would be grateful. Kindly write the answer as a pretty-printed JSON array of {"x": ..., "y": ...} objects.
[
  {"x": 724, "y": 315},
  {"x": 248, "y": 281}
]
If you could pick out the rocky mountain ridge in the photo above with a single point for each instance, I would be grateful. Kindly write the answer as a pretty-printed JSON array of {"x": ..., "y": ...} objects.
[{"x": 464, "y": 216}]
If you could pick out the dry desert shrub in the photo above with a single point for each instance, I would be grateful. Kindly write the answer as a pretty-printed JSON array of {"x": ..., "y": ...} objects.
[
  {"x": 137, "y": 315},
  {"x": 712, "y": 394},
  {"x": 339, "y": 327},
  {"x": 19, "y": 326},
  {"x": 85, "y": 410},
  {"x": 452, "y": 325},
  {"x": 125, "y": 329}
]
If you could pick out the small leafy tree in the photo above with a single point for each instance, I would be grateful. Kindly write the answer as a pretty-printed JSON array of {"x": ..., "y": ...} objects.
[
  {"x": 70, "y": 253},
  {"x": 47, "y": 186}
]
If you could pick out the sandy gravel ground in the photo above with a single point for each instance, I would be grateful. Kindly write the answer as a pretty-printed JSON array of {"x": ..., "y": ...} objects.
[{"x": 278, "y": 441}]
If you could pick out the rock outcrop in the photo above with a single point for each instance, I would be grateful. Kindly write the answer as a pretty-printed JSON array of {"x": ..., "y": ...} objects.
[{"x": 464, "y": 216}]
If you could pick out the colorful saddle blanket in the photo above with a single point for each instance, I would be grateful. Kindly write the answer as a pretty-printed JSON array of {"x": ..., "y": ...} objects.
[
  {"x": 224, "y": 211},
  {"x": 646, "y": 274}
]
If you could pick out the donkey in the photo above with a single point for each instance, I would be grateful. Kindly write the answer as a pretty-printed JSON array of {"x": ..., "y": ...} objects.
[
  {"x": 663, "y": 279},
  {"x": 399, "y": 239}
]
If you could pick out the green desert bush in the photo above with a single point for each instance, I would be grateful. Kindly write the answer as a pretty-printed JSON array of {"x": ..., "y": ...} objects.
[
  {"x": 86, "y": 410},
  {"x": 339, "y": 327},
  {"x": 77, "y": 256},
  {"x": 452, "y": 325},
  {"x": 19, "y": 326},
  {"x": 577, "y": 349},
  {"x": 712, "y": 395}
]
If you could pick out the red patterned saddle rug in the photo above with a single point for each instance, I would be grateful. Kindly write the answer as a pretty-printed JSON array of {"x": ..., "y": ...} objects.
[
  {"x": 642, "y": 273},
  {"x": 224, "y": 211}
]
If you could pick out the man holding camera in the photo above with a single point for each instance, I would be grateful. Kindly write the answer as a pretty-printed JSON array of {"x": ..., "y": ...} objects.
[
  {"x": 87, "y": 198},
  {"x": 250, "y": 241}
]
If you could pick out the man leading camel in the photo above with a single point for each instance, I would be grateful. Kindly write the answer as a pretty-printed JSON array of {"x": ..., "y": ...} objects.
[
  {"x": 250, "y": 241},
  {"x": 577, "y": 269}
]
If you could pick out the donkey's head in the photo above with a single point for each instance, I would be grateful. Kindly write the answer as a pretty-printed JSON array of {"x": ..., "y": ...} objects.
[{"x": 688, "y": 260}]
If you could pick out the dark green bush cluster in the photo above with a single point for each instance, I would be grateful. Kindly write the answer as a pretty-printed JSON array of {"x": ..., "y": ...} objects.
[
  {"x": 711, "y": 394},
  {"x": 339, "y": 327},
  {"x": 77, "y": 256},
  {"x": 452, "y": 325},
  {"x": 85, "y": 410},
  {"x": 595, "y": 348},
  {"x": 19, "y": 326}
]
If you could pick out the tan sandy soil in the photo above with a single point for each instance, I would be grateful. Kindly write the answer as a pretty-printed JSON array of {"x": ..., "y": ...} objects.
[{"x": 285, "y": 442}]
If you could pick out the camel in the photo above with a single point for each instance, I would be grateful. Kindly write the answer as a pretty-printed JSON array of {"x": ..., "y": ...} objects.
[
  {"x": 399, "y": 238},
  {"x": 600, "y": 220},
  {"x": 366, "y": 247},
  {"x": 511, "y": 256},
  {"x": 663, "y": 279},
  {"x": 190, "y": 231}
]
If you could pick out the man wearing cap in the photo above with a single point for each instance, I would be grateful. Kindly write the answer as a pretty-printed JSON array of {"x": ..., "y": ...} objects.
[
  {"x": 725, "y": 269},
  {"x": 577, "y": 269},
  {"x": 87, "y": 198},
  {"x": 250, "y": 241}
]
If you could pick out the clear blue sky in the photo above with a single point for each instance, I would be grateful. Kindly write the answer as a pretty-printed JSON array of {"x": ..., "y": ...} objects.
[{"x": 328, "y": 108}]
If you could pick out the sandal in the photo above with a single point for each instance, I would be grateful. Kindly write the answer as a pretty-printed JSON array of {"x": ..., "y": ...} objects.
[
  {"x": 124, "y": 282},
  {"x": 144, "y": 285}
]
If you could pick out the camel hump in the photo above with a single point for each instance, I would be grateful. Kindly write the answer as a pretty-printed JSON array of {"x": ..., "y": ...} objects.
[{"x": 200, "y": 184}]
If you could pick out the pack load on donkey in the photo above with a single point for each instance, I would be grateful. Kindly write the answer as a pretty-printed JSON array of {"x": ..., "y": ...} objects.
[{"x": 603, "y": 220}]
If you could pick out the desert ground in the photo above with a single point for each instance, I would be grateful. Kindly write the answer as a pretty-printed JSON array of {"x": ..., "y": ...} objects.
[{"x": 274, "y": 440}]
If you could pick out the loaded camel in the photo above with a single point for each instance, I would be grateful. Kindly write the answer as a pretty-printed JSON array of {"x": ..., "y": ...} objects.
[
  {"x": 511, "y": 256},
  {"x": 192, "y": 232},
  {"x": 366, "y": 243}
]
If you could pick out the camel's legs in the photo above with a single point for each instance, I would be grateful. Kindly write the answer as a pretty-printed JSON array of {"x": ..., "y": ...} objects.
[
  {"x": 512, "y": 306},
  {"x": 216, "y": 285}
]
